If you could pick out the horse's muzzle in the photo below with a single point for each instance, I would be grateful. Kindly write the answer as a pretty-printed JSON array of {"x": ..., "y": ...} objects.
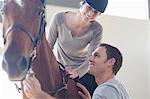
[{"x": 15, "y": 66}]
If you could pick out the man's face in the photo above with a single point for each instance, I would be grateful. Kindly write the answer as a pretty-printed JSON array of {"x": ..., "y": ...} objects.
[{"x": 98, "y": 61}]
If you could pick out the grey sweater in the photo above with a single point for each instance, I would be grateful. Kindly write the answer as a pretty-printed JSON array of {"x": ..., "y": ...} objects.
[
  {"x": 112, "y": 89},
  {"x": 73, "y": 51}
]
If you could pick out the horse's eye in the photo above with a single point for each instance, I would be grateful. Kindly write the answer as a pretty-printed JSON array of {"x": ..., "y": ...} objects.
[{"x": 2, "y": 11}]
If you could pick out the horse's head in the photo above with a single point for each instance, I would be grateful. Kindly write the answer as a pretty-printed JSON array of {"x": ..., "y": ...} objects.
[{"x": 21, "y": 22}]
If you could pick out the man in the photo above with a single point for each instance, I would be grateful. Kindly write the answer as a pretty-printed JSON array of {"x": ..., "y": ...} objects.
[{"x": 104, "y": 64}]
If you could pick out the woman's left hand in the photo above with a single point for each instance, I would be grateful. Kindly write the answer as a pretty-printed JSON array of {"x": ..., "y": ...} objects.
[{"x": 73, "y": 74}]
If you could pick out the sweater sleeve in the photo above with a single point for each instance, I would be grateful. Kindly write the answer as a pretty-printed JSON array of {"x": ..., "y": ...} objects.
[
  {"x": 53, "y": 31},
  {"x": 93, "y": 44}
]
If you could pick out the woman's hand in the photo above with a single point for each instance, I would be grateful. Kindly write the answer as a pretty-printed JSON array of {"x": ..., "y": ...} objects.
[
  {"x": 84, "y": 93},
  {"x": 73, "y": 74}
]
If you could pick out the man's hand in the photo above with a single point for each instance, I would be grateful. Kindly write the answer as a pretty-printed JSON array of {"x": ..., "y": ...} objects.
[
  {"x": 84, "y": 93},
  {"x": 32, "y": 89},
  {"x": 73, "y": 73}
]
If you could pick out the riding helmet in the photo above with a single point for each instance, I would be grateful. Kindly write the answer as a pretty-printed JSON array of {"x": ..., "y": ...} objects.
[{"x": 99, "y": 5}]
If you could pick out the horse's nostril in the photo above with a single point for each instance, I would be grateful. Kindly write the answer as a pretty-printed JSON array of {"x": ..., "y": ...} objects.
[
  {"x": 4, "y": 66},
  {"x": 23, "y": 63}
]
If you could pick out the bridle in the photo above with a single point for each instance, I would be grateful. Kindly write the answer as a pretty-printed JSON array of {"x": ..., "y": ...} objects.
[{"x": 35, "y": 42}]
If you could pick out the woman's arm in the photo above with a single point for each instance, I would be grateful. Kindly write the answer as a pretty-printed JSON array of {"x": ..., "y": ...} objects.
[
  {"x": 93, "y": 44},
  {"x": 52, "y": 33}
]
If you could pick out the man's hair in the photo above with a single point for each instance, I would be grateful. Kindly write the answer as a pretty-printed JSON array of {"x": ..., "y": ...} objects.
[{"x": 113, "y": 52}]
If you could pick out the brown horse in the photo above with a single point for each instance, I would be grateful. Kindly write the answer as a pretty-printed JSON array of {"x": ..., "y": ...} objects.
[{"x": 26, "y": 48}]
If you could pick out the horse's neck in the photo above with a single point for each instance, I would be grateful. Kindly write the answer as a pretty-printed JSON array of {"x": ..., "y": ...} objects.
[
  {"x": 32, "y": 3},
  {"x": 48, "y": 70}
]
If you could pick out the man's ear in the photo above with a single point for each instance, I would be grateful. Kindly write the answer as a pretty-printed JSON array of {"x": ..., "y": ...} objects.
[{"x": 111, "y": 61}]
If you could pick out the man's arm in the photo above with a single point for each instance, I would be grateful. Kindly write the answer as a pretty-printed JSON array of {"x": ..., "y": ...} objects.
[{"x": 32, "y": 89}]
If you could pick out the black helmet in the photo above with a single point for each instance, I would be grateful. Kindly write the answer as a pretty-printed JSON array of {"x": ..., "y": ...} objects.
[{"x": 99, "y": 5}]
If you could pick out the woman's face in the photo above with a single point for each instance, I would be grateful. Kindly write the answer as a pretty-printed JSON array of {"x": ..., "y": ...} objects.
[{"x": 88, "y": 14}]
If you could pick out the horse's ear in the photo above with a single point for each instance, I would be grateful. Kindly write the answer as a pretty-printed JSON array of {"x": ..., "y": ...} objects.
[{"x": 43, "y": 1}]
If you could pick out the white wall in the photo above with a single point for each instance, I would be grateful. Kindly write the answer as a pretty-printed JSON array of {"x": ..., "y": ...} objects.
[
  {"x": 149, "y": 58},
  {"x": 131, "y": 36},
  {"x": 128, "y": 8}
]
